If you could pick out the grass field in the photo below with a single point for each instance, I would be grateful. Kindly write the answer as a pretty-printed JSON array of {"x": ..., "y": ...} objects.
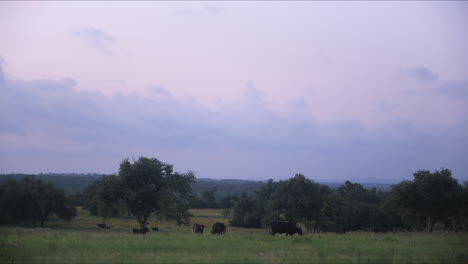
[{"x": 81, "y": 241}]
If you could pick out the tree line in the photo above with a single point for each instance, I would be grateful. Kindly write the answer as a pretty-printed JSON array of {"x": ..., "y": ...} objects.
[
  {"x": 429, "y": 200},
  {"x": 148, "y": 188},
  {"x": 32, "y": 202}
]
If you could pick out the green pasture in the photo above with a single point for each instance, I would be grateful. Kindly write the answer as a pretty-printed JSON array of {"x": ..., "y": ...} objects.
[{"x": 81, "y": 241}]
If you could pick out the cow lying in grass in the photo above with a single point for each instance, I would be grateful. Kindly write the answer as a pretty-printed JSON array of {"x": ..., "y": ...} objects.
[{"x": 103, "y": 226}]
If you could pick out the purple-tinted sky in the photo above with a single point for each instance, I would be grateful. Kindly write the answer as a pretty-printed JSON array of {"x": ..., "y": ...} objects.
[{"x": 364, "y": 91}]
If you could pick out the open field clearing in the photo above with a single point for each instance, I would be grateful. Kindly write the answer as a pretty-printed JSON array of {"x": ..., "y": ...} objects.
[{"x": 81, "y": 241}]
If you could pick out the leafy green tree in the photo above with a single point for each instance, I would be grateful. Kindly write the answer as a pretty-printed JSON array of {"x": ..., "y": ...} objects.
[
  {"x": 176, "y": 197},
  {"x": 32, "y": 201},
  {"x": 356, "y": 192},
  {"x": 227, "y": 213},
  {"x": 389, "y": 205},
  {"x": 150, "y": 186},
  {"x": 244, "y": 213},
  {"x": 263, "y": 205},
  {"x": 428, "y": 199},
  {"x": 209, "y": 197},
  {"x": 352, "y": 207},
  {"x": 103, "y": 197},
  {"x": 462, "y": 215},
  {"x": 228, "y": 201},
  {"x": 77, "y": 199},
  {"x": 197, "y": 202},
  {"x": 90, "y": 201},
  {"x": 15, "y": 206},
  {"x": 298, "y": 199}
]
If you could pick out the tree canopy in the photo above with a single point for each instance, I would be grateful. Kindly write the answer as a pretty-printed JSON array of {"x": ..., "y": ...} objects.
[
  {"x": 429, "y": 198},
  {"x": 31, "y": 201},
  {"x": 144, "y": 188}
]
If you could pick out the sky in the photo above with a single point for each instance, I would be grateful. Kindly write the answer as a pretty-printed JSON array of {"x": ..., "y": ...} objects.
[{"x": 337, "y": 90}]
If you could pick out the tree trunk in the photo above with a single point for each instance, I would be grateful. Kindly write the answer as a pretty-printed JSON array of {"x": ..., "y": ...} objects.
[
  {"x": 430, "y": 224},
  {"x": 142, "y": 221}
]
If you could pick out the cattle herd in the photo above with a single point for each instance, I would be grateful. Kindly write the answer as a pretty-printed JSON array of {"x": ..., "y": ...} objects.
[{"x": 219, "y": 228}]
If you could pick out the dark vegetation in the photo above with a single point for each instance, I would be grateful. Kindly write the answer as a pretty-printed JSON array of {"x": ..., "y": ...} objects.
[
  {"x": 31, "y": 202},
  {"x": 71, "y": 183},
  {"x": 144, "y": 188},
  {"x": 429, "y": 200},
  {"x": 148, "y": 188}
]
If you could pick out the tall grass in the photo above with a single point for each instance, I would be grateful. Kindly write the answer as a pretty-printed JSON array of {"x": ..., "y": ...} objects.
[
  {"x": 81, "y": 241},
  {"x": 52, "y": 246}
]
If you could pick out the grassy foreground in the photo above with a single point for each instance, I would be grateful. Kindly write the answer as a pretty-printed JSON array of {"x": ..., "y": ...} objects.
[{"x": 79, "y": 242}]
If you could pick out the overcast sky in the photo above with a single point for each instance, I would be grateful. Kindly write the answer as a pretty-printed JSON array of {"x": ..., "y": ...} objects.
[{"x": 360, "y": 91}]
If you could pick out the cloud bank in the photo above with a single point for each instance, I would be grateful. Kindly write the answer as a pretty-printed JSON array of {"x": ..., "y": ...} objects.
[
  {"x": 49, "y": 126},
  {"x": 419, "y": 73}
]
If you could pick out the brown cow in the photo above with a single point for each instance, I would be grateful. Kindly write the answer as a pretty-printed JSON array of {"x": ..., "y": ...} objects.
[{"x": 198, "y": 228}]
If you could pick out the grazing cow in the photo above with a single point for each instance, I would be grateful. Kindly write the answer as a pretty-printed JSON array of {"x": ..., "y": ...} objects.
[
  {"x": 284, "y": 227},
  {"x": 103, "y": 226},
  {"x": 155, "y": 228},
  {"x": 218, "y": 228},
  {"x": 140, "y": 231},
  {"x": 197, "y": 228}
]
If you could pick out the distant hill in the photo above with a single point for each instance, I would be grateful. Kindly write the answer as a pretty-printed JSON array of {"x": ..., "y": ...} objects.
[
  {"x": 378, "y": 186},
  {"x": 72, "y": 183},
  {"x": 226, "y": 187},
  {"x": 69, "y": 182}
]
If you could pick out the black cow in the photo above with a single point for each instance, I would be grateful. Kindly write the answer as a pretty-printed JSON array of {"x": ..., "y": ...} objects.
[
  {"x": 218, "y": 228},
  {"x": 140, "y": 231},
  {"x": 103, "y": 226},
  {"x": 284, "y": 227},
  {"x": 155, "y": 228},
  {"x": 197, "y": 228}
]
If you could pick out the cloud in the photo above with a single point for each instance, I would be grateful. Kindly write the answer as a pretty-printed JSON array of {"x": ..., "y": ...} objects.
[
  {"x": 253, "y": 95},
  {"x": 2, "y": 74},
  {"x": 159, "y": 91},
  {"x": 52, "y": 122},
  {"x": 454, "y": 89},
  {"x": 419, "y": 73},
  {"x": 386, "y": 107},
  {"x": 95, "y": 36},
  {"x": 402, "y": 126}
]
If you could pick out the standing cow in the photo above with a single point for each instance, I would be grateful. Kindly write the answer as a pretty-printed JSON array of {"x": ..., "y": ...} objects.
[
  {"x": 218, "y": 228},
  {"x": 284, "y": 228},
  {"x": 198, "y": 228}
]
